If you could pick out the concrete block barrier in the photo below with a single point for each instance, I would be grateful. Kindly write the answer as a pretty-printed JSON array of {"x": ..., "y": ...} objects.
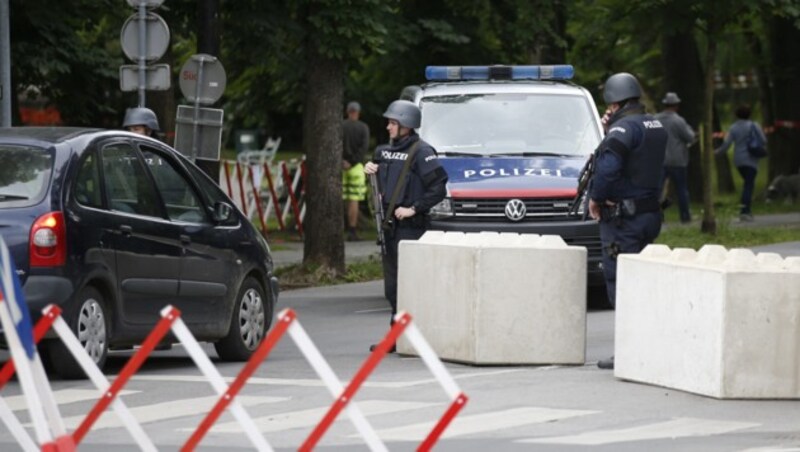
[
  {"x": 717, "y": 322},
  {"x": 496, "y": 298}
]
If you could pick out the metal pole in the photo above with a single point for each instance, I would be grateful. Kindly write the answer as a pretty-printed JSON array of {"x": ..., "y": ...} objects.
[
  {"x": 197, "y": 92},
  {"x": 142, "y": 52},
  {"x": 6, "y": 91}
]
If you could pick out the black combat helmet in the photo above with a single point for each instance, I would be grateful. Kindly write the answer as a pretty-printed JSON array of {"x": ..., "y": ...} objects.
[
  {"x": 620, "y": 87},
  {"x": 140, "y": 116},
  {"x": 406, "y": 113}
]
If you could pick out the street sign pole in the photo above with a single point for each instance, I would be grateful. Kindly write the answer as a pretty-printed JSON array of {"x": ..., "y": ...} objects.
[
  {"x": 142, "y": 52},
  {"x": 198, "y": 87},
  {"x": 5, "y": 65}
]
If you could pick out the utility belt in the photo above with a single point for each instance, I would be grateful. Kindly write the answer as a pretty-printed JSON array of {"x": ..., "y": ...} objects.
[{"x": 628, "y": 208}]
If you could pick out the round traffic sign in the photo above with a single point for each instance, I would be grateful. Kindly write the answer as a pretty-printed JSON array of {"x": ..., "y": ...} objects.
[
  {"x": 156, "y": 37},
  {"x": 211, "y": 76},
  {"x": 147, "y": 3}
]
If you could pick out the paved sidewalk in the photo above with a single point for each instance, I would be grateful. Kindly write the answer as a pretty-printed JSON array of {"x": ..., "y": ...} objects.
[{"x": 289, "y": 253}]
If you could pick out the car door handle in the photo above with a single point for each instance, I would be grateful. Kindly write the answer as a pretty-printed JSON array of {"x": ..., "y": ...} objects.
[
  {"x": 185, "y": 239},
  {"x": 126, "y": 230}
]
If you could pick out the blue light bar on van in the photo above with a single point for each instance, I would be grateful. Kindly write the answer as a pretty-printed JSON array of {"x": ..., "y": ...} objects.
[{"x": 555, "y": 72}]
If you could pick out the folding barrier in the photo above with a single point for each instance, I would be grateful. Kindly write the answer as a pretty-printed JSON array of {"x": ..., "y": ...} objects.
[
  {"x": 51, "y": 318},
  {"x": 287, "y": 322},
  {"x": 171, "y": 321},
  {"x": 243, "y": 184}
]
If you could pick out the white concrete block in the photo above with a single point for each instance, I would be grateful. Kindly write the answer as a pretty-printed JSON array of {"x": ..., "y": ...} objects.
[
  {"x": 496, "y": 298},
  {"x": 716, "y": 322}
]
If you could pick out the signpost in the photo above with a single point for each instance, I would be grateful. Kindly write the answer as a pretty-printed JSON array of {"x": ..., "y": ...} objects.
[
  {"x": 144, "y": 38},
  {"x": 202, "y": 81}
]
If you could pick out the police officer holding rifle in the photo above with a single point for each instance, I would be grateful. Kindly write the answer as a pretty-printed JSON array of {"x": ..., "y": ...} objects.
[
  {"x": 410, "y": 181},
  {"x": 624, "y": 192}
]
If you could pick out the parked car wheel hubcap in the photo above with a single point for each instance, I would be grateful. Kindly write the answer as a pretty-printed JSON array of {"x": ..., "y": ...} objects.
[
  {"x": 92, "y": 329},
  {"x": 251, "y": 319}
]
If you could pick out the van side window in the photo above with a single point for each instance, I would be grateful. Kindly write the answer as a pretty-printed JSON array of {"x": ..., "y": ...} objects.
[
  {"x": 87, "y": 184},
  {"x": 128, "y": 188},
  {"x": 180, "y": 199}
]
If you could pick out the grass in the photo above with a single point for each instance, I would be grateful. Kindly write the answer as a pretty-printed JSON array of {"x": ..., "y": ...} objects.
[{"x": 299, "y": 276}]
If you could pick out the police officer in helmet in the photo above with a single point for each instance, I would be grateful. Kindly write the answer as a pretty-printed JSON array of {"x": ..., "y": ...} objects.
[
  {"x": 421, "y": 185},
  {"x": 624, "y": 195},
  {"x": 141, "y": 120}
]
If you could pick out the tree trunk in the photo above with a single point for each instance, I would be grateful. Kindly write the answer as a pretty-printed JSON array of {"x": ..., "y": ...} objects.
[
  {"x": 322, "y": 142},
  {"x": 683, "y": 74},
  {"x": 784, "y": 157},
  {"x": 709, "y": 223}
]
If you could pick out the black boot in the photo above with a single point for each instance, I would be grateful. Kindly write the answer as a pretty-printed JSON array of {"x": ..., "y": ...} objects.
[{"x": 607, "y": 363}]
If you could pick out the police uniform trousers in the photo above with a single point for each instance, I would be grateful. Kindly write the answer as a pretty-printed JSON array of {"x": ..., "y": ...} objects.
[
  {"x": 405, "y": 230},
  {"x": 629, "y": 234}
]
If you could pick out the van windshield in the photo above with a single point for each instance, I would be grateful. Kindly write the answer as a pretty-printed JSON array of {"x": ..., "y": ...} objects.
[
  {"x": 508, "y": 124},
  {"x": 24, "y": 175}
]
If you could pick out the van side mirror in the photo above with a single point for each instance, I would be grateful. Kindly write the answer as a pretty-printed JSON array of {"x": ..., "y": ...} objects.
[{"x": 222, "y": 211}]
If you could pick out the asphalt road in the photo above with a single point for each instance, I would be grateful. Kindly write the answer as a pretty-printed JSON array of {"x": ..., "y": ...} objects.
[
  {"x": 510, "y": 408},
  {"x": 548, "y": 408}
]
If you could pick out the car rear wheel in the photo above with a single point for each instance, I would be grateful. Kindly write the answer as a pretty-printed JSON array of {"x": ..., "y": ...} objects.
[
  {"x": 251, "y": 318},
  {"x": 90, "y": 326}
]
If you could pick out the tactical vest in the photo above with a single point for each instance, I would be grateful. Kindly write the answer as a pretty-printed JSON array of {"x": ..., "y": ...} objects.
[{"x": 644, "y": 163}]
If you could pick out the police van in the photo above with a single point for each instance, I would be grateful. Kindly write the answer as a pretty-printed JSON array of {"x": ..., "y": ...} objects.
[{"x": 513, "y": 140}]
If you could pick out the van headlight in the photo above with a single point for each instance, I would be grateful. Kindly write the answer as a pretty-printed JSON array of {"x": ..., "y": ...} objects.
[{"x": 442, "y": 210}]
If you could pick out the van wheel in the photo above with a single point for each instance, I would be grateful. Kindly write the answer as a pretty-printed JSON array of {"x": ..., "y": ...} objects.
[
  {"x": 90, "y": 326},
  {"x": 250, "y": 321}
]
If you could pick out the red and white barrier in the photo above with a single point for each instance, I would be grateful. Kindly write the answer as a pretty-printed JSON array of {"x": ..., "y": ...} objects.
[
  {"x": 287, "y": 322},
  {"x": 243, "y": 184}
]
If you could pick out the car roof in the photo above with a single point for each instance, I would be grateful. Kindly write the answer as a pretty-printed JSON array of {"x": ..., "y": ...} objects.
[
  {"x": 504, "y": 86},
  {"x": 45, "y": 134}
]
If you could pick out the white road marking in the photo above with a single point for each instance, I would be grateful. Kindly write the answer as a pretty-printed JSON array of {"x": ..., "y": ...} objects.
[
  {"x": 316, "y": 382},
  {"x": 198, "y": 406},
  {"x": 676, "y": 428},
  {"x": 311, "y": 417},
  {"x": 484, "y": 422},
  {"x": 63, "y": 397}
]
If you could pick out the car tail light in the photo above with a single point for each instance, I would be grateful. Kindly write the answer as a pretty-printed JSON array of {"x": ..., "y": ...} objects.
[{"x": 48, "y": 241}]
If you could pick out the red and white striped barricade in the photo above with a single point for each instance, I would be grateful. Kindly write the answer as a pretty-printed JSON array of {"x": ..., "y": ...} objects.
[
  {"x": 51, "y": 318},
  {"x": 48, "y": 425},
  {"x": 294, "y": 188},
  {"x": 287, "y": 322},
  {"x": 402, "y": 325}
]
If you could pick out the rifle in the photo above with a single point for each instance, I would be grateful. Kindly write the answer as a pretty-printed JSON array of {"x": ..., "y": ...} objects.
[
  {"x": 584, "y": 179},
  {"x": 377, "y": 206}
]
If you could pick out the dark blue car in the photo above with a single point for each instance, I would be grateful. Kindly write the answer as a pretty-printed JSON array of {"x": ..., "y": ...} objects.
[{"x": 113, "y": 226}]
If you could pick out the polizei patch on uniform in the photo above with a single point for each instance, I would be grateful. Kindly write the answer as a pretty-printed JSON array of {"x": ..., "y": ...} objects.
[
  {"x": 654, "y": 124},
  {"x": 502, "y": 172},
  {"x": 617, "y": 129},
  {"x": 388, "y": 155}
]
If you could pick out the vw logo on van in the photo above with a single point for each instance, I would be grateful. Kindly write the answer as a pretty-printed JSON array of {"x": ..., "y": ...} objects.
[{"x": 515, "y": 210}]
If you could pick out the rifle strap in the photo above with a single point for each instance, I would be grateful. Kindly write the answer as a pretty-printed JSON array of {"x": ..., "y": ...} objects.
[{"x": 401, "y": 182}]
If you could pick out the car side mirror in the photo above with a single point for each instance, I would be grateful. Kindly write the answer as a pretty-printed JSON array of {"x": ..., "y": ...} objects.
[{"x": 222, "y": 211}]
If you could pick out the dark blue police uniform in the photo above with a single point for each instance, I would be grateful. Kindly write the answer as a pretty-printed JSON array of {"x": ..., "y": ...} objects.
[
  {"x": 424, "y": 188},
  {"x": 628, "y": 169}
]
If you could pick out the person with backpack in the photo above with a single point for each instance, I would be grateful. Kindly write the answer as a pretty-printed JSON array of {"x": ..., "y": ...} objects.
[{"x": 745, "y": 135}]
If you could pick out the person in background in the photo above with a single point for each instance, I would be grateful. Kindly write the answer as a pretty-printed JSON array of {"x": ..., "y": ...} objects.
[
  {"x": 355, "y": 136},
  {"x": 626, "y": 186},
  {"x": 745, "y": 163},
  {"x": 141, "y": 120},
  {"x": 411, "y": 164},
  {"x": 679, "y": 137}
]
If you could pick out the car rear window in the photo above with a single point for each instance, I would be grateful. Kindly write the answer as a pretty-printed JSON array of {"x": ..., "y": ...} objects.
[{"x": 24, "y": 175}]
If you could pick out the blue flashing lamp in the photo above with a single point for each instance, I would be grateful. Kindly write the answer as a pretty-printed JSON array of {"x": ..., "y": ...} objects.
[{"x": 554, "y": 72}]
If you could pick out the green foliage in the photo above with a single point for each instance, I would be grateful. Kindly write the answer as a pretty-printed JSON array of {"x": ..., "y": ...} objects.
[{"x": 728, "y": 235}]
